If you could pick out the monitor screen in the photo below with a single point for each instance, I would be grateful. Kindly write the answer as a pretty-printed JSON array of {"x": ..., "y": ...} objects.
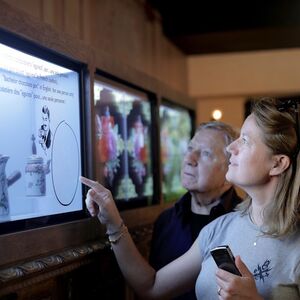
[
  {"x": 123, "y": 127},
  {"x": 176, "y": 128},
  {"x": 40, "y": 148}
]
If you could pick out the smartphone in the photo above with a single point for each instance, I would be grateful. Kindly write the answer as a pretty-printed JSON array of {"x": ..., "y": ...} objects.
[{"x": 225, "y": 259}]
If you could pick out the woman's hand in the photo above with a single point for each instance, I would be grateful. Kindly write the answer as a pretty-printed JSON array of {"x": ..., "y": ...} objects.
[
  {"x": 100, "y": 202},
  {"x": 235, "y": 287}
]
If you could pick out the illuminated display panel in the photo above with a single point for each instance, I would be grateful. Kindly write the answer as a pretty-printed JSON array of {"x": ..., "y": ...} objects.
[{"x": 41, "y": 155}]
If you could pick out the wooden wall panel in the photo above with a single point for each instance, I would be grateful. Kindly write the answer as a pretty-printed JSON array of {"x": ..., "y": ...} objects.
[
  {"x": 88, "y": 13},
  {"x": 127, "y": 30},
  {"x": 32, "y": 7},
  {"x": 53, "y": 13},
  {"x": 73, "y": 17}
]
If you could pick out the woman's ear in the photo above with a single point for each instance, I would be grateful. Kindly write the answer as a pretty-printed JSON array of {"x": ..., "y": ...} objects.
[{"x": 280, "y": 164}]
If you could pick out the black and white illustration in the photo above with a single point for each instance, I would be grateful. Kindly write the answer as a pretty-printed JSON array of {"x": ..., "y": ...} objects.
[{"x": 44, "y": 131}]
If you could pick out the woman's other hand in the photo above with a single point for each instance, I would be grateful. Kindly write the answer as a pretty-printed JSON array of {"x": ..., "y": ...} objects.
[{"x": 231, "y": 286}]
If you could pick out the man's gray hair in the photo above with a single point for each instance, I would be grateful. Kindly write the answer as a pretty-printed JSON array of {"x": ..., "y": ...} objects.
[{"x": 228, "y": 132}]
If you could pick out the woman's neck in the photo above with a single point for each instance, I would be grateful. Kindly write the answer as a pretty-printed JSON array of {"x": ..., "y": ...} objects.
[
  {"x": 261, "y": 196},
  {"x": 256, "y": 214}
]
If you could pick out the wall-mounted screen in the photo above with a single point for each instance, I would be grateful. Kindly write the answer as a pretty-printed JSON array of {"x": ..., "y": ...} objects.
[
  {"x": 176, "y": 129},
  {"x": 123, "y": 127},
  {"x": 41, "y": 144}
]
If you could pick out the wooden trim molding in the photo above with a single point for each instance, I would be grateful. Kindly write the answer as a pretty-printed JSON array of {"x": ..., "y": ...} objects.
[{"x": 29, "y": 272}]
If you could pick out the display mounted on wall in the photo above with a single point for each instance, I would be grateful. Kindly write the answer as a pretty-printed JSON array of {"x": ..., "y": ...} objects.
[
  {"x": 41, "y": 152},
  {"x": 124, "y": 142},
  {"x": 176, "y": 129}
]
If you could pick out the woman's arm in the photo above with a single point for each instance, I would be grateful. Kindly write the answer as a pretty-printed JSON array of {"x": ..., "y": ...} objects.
[{"x": 174, "y": 279}]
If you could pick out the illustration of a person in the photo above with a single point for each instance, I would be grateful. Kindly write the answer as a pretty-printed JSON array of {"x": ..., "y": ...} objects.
[
  {"x": 44, "y": 131},
  {"x": 139, "y": 149},
  {"x": 108, "y": 139},
  {"x": 139, "y": 140}
]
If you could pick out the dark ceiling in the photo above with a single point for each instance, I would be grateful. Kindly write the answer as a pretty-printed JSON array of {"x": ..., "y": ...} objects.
[{"x": 199, "y": 27}]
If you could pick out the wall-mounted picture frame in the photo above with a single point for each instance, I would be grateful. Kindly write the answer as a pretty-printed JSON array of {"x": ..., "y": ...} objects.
[{"x": 125, "y": 141}]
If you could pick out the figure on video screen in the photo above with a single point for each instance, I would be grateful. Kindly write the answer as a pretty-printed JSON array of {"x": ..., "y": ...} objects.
[
  {"x": 44, "y": 131},
  {"x": 139, "y": 148},
  {"x": 108, "y": 139},
  {"x": 139, "y": 140},
  {"x": 107, "y": 147}
]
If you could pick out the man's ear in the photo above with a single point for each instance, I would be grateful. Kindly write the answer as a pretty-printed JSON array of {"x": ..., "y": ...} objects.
[{"x": 280, "y": 164}]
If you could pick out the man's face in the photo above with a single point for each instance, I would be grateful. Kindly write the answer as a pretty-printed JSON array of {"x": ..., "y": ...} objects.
[
  {"x": 45, "y": 121},
  {"x": 205, "y": 164}
]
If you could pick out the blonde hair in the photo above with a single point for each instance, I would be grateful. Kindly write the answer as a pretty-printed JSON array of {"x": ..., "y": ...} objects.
[{"x": 282, "y": 215}]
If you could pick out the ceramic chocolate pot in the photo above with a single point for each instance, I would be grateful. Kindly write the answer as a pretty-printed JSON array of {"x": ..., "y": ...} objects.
[{"x": 4, "y": 184}]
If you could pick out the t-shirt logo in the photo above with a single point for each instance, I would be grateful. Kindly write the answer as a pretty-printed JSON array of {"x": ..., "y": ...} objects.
[{"x": 262, "y": 271}]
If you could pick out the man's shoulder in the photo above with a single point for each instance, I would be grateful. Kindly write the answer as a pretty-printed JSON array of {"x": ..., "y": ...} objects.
[
  {"x": 177, "y": 210},
  {"x": 166, "y": 215}
]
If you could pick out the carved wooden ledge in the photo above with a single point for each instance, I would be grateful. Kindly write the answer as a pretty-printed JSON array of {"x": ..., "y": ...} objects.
[
  {"x": 21, "y": 275},
  {"x": 27, "y": 273}
]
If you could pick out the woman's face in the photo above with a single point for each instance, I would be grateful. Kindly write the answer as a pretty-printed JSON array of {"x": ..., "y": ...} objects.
[{"x": 251, "y": 160}]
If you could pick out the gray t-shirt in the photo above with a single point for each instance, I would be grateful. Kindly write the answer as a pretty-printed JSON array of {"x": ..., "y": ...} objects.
[{"x": 274, "y": 263}]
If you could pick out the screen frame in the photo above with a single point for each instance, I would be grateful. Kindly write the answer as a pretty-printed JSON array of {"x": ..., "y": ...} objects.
[
  {"x": 35, "y": 49},
  {"x": 118, "y": 82}
]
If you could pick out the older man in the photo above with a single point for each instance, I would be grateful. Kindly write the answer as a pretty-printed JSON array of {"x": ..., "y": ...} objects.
[{"x": 209, "y": 195}]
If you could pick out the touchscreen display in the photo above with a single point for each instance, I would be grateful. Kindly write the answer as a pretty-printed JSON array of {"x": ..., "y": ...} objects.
[{"x": 40, "y": 153}]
